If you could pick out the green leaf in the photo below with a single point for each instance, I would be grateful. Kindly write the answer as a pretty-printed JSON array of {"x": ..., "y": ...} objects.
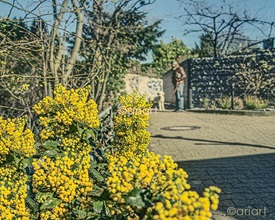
[
  {"x": 107, "y": 210},
  {"x": 79, "y": 130},
  {"x": 97, "y": 191},
  {"x": 97, "y": 175},
  {"x": 50, "y": 153},
  {"x": 9, "y": 158},
  {"x": 49, "y": 145},
  {"x": 161, "y": 198},
  {"x": 16, "y": 159},
  {"x": 93, "y": 163},
  {"x": 32, "y": 204},
  {"x": 98, "y": 205},
  {"x": 43, "y": 195},
  {"x": 50, "y": 203},
  {"x": 81, "y": 214},
  {"x": 92, "y": 216},
  {"x": 90, "y": 134},
  {"x": 134, "y": 198},
  {"x": 27, "y": 162}
]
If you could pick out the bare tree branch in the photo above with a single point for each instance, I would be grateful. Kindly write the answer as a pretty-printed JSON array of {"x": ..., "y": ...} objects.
[{"x": 223, "y": 22}]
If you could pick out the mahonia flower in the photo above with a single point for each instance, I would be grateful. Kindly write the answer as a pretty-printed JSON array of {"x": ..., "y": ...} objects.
[
  {"x": 189, "y": 206},
  {"x": 130, "y": 125},
  {"x": 15, "y": 139},
  {"x": 67, "y": 108},
  {"x": 133, "y": 166},
  {"x": 146, "y": 170},
  {"x": 160, "y": 177},
  {"x": 13, "y": 192},
  {"x": 62, "y": 177},
  {"x": 65, "y": 176},
  {"x": 58, "y": 212},
  {"x": 18, "y": 141}
]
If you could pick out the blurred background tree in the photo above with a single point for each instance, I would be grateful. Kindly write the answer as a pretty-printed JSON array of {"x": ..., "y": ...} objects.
[{"x": 72, "y": 42}]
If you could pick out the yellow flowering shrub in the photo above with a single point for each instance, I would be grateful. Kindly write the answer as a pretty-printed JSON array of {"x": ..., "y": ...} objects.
[
  {"x": 189, "y": 205},
  {"x": 130, "y": 125},
  {"x": 16, "y": 144},
  {"x": 142, "y": 185},
  {"x": 61, "y": 175},
  {"x": 66, "y": 109},
  {"x": 162, "y": 178},
  {"x": 146, "y": 170},
  {"x": 13, "y": 192},
  {"x": 132, "y": 183},
  {"x": 15, "y": 139}
]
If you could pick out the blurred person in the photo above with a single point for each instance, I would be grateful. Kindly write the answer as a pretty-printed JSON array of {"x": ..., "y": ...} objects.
[{"x": 178, "y": 79}]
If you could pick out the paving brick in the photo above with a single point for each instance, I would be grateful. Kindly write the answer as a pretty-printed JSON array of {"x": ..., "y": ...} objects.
[{"x": 235, "y": 153}]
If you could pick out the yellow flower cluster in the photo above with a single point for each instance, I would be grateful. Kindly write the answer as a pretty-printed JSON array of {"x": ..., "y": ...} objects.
[
  {"x": 67, "y": 108},
  {"x": 15, "y": 139},
  {"x": 189, "y": 206},
  {"x": 130, "y": 124},
  {"x": 66, "y": 176},
  {"x": 148, "y": 171},
  {"x": 13, "y": 190},
  {"x": 135, "y": 167},
  {"x": 160, "y": 177},
  {"x": 62, "y": 177},
  {"x": 58, "y": 212}
]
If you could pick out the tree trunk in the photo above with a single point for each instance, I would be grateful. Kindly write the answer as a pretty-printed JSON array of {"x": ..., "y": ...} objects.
[{"x": 78, "y": 40}]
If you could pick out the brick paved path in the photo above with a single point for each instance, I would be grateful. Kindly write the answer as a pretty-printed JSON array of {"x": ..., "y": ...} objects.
[{"x": 235, "y": 153}]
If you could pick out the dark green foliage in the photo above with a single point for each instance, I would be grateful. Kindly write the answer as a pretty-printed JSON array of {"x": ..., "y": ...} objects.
[
  {"x": 164, "y": 54},
  {"x": 15, "y": 29},
  {"x": 112, "y": 39},
  {"x": 205, "y": 49}
]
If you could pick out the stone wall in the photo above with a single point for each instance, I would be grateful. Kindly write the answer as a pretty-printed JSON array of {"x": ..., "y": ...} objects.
[
  {"x": 213, "y": 78},
  {"x": 150, "y": 86}
]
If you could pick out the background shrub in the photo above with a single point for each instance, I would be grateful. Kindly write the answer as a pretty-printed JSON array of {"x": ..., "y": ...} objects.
[
  {"x": 65, "y": 183},
  {"x": 224, "y": 102},
  {"x": 253, "y": 102}
]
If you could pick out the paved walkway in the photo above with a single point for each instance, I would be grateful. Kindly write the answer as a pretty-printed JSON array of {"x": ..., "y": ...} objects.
[{"x": 235, "y": 153}]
